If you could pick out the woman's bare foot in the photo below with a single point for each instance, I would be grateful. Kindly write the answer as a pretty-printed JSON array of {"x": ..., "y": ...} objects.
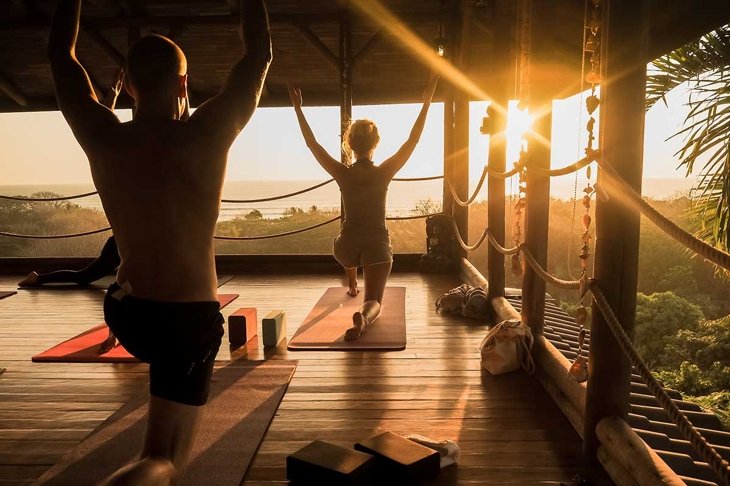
[
  {"x": 29, "y": 281},
  {"x": 359, "y": 324},
  {"x": 353, "y": 291},
  {"x": 109, "y": 343}
]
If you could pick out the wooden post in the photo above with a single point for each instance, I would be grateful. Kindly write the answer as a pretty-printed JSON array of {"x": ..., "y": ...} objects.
[
  {"x": 623, "y": 71},
  {"x": 537, "y": 212},
  {"x": 460, "y": 171},
  {"x": 503, "y": 67},
  {"x": 448, "y": 200},
  {"x": 345, "y": 81}
]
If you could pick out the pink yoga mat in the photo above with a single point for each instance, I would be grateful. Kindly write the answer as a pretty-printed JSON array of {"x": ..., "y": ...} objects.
[
  {"x": 83, "y": 348},
  {"x": 324, "y": 328}
]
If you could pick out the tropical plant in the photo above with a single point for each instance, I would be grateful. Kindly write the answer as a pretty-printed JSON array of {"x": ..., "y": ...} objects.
[{"x": 705, "y": 64}]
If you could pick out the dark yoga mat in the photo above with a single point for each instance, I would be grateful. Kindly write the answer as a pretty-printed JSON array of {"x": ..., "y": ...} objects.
[
  {"x": 324, "y": 328},
  {"x": 243, "y": 400},
  {"x": 7, "y": 293},
  {"x": 83, "y": 347},
  {"x": 101, "y": 284}
]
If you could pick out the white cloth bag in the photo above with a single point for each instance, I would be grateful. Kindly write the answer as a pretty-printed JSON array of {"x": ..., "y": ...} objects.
[{"x": 507, "y": 347}]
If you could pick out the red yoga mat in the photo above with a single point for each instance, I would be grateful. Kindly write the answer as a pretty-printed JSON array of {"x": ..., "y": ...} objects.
[{"x": 83, "y": 348}]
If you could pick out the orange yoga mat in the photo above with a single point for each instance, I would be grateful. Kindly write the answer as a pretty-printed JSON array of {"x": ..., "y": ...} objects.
[
  {"x": 83, "y": 348},
  {"x": 324, "y": 328}
]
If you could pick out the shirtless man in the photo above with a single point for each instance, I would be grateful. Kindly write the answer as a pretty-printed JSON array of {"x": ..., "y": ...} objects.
[{"x": 160, "y": 181}]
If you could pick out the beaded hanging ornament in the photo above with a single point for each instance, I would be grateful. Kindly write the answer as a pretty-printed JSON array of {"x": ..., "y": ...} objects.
[{"x": 579, "y": 369}]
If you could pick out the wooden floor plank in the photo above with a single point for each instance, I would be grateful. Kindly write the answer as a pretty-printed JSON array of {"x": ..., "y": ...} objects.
[{"x": 509, "y": 430}]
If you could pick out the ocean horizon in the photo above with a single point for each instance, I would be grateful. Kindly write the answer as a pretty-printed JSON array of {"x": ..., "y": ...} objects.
[{"x": 403, "y": 197}]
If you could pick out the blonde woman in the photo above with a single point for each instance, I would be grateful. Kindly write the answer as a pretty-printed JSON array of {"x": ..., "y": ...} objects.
[{"x": 363, "y": 239}]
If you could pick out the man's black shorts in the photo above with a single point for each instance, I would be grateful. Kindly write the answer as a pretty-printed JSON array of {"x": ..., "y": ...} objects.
[{"x": 178, "y": 339}]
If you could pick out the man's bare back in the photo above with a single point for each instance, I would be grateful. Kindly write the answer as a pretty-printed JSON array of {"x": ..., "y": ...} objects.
[{"x": 160, "y": 183}]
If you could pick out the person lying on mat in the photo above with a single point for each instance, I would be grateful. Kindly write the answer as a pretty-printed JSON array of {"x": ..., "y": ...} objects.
[
  {"x": 160, "y": 178},
  {"x": 363, "y": 239},
  {"x": 106, "y": 263}
]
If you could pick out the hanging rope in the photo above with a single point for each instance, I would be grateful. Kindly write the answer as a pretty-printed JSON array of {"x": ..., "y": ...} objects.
[
  {"x": 465, "y": 245},
  {"x": 543, "y": 274},
  {"x": 54, "y": 237},
  {"x": 700, "y": 444},
  {"x": 47, "y": 199},
  {"x": 715, "y": 255},
  {"x": 473, "y": 196}
]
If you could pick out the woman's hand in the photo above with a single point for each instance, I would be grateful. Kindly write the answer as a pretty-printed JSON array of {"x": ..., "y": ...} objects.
[
  {"x": 295, "y": 94},
  {"x": 431, "y": 88}
]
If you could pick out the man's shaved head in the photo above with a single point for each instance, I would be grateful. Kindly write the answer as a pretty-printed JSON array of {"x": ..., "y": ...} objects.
[{"x": 154, "y": 65}]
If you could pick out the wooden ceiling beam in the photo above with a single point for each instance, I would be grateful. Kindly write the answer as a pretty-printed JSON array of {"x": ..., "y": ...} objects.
[
  {"x": 319, "y": 46},
  {"x": 141, "y": 20},
  {"x": 372, "y": 43},
  {"x": 106, "y": 46},
  {"x": 13, "y": 92}
]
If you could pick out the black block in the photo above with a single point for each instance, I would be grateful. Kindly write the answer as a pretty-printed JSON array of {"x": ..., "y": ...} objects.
[
  {"x": 401, "y": 461},
  {"x": 320, "y": 463}
]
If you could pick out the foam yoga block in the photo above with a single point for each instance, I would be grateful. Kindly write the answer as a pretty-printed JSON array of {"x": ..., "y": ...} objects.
[
  {"x": 320, "y": 463},
  {"x": 242, "y": 326},
  {"x": 273, "y": 327},
  {"x": 401, "y": 461}
]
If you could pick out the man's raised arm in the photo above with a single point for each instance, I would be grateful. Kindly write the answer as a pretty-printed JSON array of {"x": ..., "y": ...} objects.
[
  {"x": 76, "y": 97},
  {"x": 229, "y": 111}
]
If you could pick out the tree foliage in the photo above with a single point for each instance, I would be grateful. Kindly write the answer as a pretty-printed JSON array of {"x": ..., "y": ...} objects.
[{"x": 705, "y": 64}]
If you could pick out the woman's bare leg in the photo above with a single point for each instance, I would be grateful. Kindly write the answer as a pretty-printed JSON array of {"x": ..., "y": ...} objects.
[
  {"x": 351, "y": 273},
  {"x": 376, "y": 276}
]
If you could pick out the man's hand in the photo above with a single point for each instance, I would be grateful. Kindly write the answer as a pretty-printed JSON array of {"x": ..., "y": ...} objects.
[{"x": 295, "y": 94}]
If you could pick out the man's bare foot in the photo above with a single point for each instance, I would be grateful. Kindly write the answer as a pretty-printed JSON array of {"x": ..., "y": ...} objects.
[
  {"x": 145, "y": 472},
  {"x": 109, "y": 343},
  {"x": 359, "y": 324},
  {"x": 353, "y": 291},
  {"x": 29, "y": 281}
]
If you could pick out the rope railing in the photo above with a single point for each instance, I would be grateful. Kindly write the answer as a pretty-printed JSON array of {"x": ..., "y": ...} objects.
[
  {"x": 699, "y": 443},
  {"x": 542, "y": 273},
  {"x": 276, "y": 198},
  {"x": 217, "y": 237},
  {"x": 277, "y": 235},
  {"x": 408, "y": 218},
  {"x": 471, "y": 199},
  {"x": 228, "y": 201},
  {"x": 47, "y": 199},
  {"x": 593, "y": 156},
  {"x": 465, "y": 245},
  {"x": 616, "y": 182},
  {"x": 54, "y": 237},
  {"x": 417, "y": 179}
]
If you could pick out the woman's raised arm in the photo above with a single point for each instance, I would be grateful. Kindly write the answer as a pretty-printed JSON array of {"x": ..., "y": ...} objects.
[
  {"x": 396, "y": 162},
  {"x": 331, "y": 165}
]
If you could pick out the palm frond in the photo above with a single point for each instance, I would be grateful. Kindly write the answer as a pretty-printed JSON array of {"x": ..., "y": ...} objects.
[{"x": 704, "y": 56}]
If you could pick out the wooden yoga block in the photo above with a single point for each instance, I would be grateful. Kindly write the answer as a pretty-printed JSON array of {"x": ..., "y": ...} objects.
[
  {"x": 320, "y": 463},
  {"x": 273, "y": 327},
  {"x": 242, "y": 326},
  {"x": 401, "y": 461}
]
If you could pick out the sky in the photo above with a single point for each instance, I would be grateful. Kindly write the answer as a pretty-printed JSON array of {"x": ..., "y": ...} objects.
[{"x": 38, "y": 148}]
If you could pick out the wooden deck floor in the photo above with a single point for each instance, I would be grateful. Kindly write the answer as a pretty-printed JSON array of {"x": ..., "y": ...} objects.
[{"x": 509, "y": 430}]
